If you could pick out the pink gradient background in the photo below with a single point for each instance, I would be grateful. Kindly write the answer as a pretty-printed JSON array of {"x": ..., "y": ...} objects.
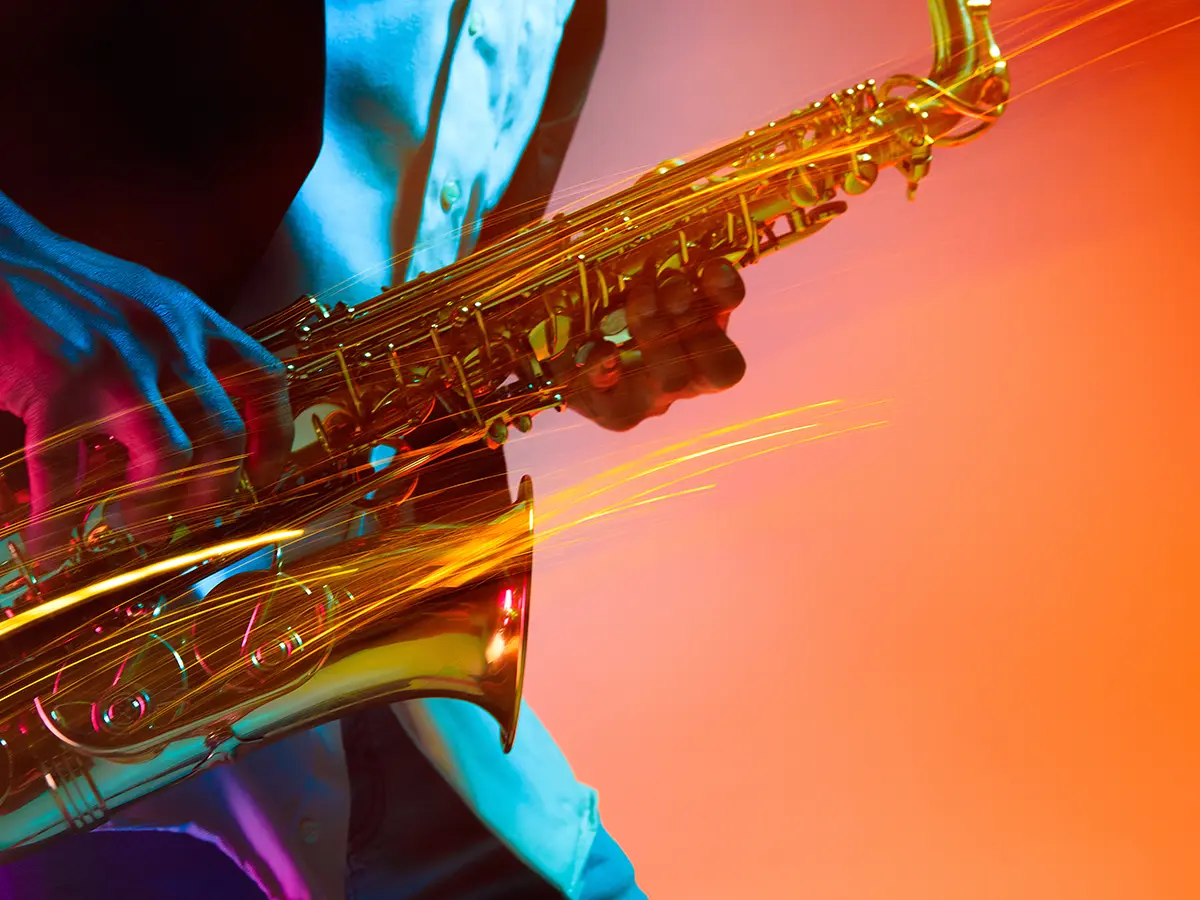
[{"x": 955, "y": 656}]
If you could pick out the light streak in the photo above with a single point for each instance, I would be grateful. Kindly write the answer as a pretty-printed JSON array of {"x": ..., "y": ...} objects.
[{"x": 175, "y": 563}]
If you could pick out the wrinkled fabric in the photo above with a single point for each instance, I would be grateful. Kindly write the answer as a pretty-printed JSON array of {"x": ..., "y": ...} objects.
[{"x": 430, "y": 105}]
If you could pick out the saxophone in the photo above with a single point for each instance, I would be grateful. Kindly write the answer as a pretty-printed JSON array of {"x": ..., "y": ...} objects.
[{"x": 127, "y": 668}]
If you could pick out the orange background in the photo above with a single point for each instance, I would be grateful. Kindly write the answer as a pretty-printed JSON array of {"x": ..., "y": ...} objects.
[{"x": 954, "y": 656}]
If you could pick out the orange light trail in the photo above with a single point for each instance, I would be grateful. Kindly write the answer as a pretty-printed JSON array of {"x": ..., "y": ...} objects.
[
  {"x": 558, "y": 514},
  {"x": 1109, "y": 54}
]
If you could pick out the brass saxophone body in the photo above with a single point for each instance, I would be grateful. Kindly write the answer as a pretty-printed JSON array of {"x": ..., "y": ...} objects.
[{"x": 126, "y": 669}]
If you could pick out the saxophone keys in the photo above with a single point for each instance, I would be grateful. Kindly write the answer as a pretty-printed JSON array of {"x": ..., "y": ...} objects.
[
  {"x": 497, "y": 433},
  {"x": 862, "y": 175},
  {"x": 318, "y": 428},
  {"x": 803, "y": 190},
  {"x": 247, "y": 487}
]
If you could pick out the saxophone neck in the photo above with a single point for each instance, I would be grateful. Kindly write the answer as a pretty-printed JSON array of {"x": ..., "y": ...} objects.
[
  {"x": 968, "y": 82},
  {"x": 963, "y": 41}
]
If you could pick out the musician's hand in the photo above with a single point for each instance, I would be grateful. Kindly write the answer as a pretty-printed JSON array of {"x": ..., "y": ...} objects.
[
  {"x": 93, "y": 345},
  {"x": 679, "y": 328}
]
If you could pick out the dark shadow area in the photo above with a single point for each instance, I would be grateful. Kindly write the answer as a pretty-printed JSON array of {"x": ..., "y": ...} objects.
[{"x": 127, "y": 866}]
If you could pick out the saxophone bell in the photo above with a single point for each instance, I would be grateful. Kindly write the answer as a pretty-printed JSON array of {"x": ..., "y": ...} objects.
[{"x": 222, "y": 649}]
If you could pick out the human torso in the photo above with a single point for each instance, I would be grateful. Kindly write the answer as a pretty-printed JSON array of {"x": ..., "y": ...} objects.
[
  {"x": 178, "y": 135},
  {"x": 429, "y": 106}
]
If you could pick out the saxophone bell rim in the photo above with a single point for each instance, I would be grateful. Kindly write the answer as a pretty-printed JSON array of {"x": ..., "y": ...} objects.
[{"x": 508, "y": 728}]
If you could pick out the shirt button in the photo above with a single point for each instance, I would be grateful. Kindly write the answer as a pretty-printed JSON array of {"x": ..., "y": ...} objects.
[
  {"x": 310, "y": 831},
  {"x": 450, "y": 195}
]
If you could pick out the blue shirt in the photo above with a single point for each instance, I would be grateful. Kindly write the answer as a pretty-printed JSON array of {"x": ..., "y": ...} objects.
[{"x": 429, "y": 107}]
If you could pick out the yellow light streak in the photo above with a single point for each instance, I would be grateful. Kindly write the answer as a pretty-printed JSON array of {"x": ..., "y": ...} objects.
[{"x": 175, "y": 563}]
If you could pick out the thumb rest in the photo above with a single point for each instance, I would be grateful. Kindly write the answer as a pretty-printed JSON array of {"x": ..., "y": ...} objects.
[{"x": 127, "y": 669}]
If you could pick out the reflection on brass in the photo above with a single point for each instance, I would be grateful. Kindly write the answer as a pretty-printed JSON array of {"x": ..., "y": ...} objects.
[{"x": 127, "y": 666}]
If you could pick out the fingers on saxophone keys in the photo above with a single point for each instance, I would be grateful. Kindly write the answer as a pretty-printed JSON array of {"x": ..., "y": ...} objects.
[
  {"x": 716, "y": 361},
  {"x": 218, "y": 438},
  {"x": 631, "y": 400},
  {"x": 601, "y": 366},
  {"x": 54, "y": 466},
  {"x": 677, "y": 296},
  {"x": 721, "y": 283},
  {"x": 259, "y": 381},
  {"x": 160, "y": 456},
  {"x": 654, "y": 323}
]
